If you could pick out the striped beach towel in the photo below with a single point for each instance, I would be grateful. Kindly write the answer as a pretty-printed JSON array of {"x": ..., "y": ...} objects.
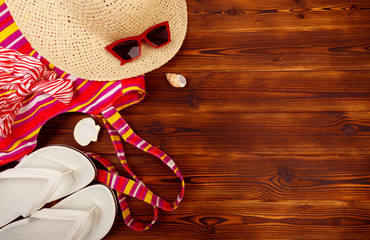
[{"x": 101, "y": 99}]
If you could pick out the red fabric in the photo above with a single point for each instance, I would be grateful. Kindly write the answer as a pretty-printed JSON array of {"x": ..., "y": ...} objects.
[{"x": 22, "y": 75}]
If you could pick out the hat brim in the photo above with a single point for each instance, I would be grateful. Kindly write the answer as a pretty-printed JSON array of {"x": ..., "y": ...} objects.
[{"x": 76, "y": 48}]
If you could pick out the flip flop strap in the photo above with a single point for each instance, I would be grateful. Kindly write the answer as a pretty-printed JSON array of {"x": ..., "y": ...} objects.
[{"x": 114, "y": 119}]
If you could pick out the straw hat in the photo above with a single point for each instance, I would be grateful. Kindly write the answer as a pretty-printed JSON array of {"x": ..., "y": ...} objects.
[{"x": 73, "y": 34}]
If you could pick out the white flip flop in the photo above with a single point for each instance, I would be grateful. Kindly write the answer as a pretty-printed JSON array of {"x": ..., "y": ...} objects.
[
  {"x": 86, "y": 214},
  {"x": 45, "y": 175}
]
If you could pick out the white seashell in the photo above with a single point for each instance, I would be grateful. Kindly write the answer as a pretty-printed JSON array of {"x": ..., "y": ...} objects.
[
  {"x": 176, "y": 80},
  {"x": 86, "y": 131}
]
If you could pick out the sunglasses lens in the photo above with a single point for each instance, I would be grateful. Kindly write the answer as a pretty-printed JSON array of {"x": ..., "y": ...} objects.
[
  {"x": 127, "y": 50},
  {"x": 158, "y": 36}
]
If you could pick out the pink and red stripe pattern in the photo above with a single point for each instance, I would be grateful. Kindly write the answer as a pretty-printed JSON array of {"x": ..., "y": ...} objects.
[
  {"x": 102, "y": 176},
  {"x": 26, "y": 75},
  {"x": 118, "y": 129}
]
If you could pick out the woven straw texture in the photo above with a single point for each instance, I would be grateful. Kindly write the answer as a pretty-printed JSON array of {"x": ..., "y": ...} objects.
[{"x": 73, "y": 34}]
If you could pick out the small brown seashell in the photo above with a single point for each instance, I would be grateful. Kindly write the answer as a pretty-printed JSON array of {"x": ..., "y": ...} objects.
[{"x": 176, "y": 80}]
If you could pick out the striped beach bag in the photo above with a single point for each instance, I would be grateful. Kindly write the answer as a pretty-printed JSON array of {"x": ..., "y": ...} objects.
[{"x": 102, "y": 99}]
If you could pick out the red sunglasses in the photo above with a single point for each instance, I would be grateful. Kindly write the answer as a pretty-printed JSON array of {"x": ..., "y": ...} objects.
[{"x": 129, "y": 49}]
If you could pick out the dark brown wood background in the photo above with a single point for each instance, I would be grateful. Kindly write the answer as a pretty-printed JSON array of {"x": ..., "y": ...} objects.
[{"x": 272, "y": 131}]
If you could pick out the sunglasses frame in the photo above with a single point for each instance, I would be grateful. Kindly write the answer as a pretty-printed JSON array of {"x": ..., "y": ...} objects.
[{"x": 139, "y": 39}]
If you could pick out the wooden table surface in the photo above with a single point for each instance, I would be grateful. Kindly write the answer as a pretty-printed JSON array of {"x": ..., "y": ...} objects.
[{"x": 272, "y": 131}]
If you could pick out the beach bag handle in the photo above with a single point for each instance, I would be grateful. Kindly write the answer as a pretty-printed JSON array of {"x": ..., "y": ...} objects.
[{"x": 118, "y": 129}]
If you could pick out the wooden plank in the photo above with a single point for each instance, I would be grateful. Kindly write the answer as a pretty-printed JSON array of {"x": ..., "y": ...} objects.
[
  {"x": 284, "y": 81},
  {"x": 279, "y": 21},
  {"x": 292, "y": 41},
  {"x": 259, "y": 220},
  {"x": 296, "y": 49},
  {"x": 246, "y": 16},
  {"x": 328, "y": 133},
  {"x": 342, "y": 125},
  {"x": 215, "y": 5},
  {"x": 257, "y": 177},
  {"x": 245, "y": 92},
  {"x": 293, "y": 50}
]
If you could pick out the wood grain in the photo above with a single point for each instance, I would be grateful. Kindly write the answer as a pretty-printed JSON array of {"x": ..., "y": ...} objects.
[
  {"x": 272, "y": 131},
  {"x": 265, "y": 220}
]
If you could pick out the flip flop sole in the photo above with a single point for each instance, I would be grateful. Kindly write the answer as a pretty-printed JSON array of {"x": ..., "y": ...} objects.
[
  {"x": 95, "y": 205},
  {"x": 64, "y": 159},
  {"x": 26, "y": 192}
]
